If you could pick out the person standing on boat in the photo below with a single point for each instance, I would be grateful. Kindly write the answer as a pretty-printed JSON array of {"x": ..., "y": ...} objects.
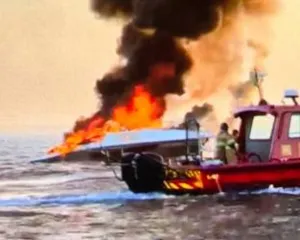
[
  {"x": 235, "y": 135},
  {"x": 225, "y": 145}
]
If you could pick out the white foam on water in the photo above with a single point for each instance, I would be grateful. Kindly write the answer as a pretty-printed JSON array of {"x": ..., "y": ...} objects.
[
  {"x": 272, "y": 190},
  {"x": 102, "y": 197},
  {"x": 113, "y": 197}
]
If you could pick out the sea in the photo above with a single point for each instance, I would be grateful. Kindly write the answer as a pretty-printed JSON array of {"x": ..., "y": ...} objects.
[{"x": 84, "y": 200}]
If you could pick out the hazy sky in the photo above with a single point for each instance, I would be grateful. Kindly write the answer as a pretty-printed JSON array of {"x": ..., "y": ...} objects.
[
  {"x": 283, "y": 65},
  {"x": 51, "y": 53}
]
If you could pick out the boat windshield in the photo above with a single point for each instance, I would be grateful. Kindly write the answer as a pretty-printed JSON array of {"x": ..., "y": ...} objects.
[{"x": 262, "y": 127}]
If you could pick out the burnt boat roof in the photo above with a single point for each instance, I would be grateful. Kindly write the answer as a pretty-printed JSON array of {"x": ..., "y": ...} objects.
[
  {"x": 135, "y": 138},
  {"x": 145, "y": 137}
]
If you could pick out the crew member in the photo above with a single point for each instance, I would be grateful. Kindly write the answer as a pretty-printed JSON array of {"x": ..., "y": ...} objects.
[
  {"x": 235, "y": 135},
  {"x": 226, "y": 145}
]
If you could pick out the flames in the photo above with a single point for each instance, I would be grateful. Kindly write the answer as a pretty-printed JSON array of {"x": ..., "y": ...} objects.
[
  {"x": 221, "y": 35},
  {"x": 142, "y": 111}
]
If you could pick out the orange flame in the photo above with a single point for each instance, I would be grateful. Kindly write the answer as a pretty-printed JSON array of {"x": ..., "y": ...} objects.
[{"x": 142, "y": 111}]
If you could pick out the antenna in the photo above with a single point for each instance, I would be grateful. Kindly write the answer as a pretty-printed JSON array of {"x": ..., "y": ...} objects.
[{"x": 257, "y": 77}]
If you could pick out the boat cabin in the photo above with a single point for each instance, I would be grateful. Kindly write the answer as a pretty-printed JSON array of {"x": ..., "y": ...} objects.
[{"x": 269, "y": 132}]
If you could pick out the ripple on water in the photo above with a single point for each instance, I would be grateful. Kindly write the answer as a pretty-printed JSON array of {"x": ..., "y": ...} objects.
[{"x": 68, "y": 201}]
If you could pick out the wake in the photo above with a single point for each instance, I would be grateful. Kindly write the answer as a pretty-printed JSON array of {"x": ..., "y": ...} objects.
[{"x": 116, "y": 197}]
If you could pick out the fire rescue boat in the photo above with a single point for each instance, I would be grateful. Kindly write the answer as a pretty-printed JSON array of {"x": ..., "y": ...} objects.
[{"x": 268, "y": 153}]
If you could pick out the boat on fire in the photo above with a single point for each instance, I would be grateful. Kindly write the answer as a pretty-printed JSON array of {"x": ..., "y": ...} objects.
[
  {"x": 169, "y": 142},
  {"x": 268, "y": 154}
]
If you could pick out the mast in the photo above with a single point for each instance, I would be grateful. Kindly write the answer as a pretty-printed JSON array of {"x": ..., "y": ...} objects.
[{"x": 257, "y": 77}]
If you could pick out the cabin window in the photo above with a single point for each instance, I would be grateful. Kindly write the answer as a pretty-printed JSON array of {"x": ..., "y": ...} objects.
[
  {"x": 294, "y": 129},
  {"x": 262, "y": 127}
]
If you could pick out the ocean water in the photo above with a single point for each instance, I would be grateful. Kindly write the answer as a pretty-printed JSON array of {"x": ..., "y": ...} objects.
[{"x": 84, "y": 201}]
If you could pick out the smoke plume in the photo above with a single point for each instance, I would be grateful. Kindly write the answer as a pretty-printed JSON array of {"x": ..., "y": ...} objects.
[
  {"x": 199, "y": 112},
  {"x": 156, "y": 61},
  {"x": 225, "y": 39},
  {"x": 112, "y": 8}
]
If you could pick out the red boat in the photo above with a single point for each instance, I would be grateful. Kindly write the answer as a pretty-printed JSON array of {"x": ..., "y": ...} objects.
[{"x": 268, "y": 154}]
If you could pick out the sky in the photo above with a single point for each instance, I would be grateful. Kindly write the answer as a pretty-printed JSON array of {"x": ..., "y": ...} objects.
[
  {"x": 52, "y": 52},
  {"x": 283, "y": 64}
]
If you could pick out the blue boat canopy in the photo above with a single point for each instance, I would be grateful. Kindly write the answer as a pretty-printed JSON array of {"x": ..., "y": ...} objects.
[
  {"x": 144, "y": 137},
  {"x": 134, "y": 138}
]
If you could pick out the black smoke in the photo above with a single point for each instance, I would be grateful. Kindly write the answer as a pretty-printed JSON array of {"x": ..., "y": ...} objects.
[
  {"x": 197, "y": 113},
  {"x": 200, "y": 112},
  {"x": 112, "y": 8},
  {"x": 180, "y": 18},
  {"x": 167, "y": 19},
  {"x": 144, "y": 54}
]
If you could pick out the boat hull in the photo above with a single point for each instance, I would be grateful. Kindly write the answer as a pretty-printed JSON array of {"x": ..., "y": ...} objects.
[{"x": 146, "y": 174}]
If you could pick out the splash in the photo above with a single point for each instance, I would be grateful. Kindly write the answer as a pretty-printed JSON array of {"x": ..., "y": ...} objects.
[
  {"x": 92, "y": 198},
  {"x": 111, "y": 198}
]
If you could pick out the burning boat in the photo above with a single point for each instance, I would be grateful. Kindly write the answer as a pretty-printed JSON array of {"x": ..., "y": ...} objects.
[
  {"x": 134, "y": 127},
  {"x": 134, "y": 96},
  {"x": 165, "y": 142},
  {"x": 268, "y": 154},
  {"x": 172, "y": 161}
]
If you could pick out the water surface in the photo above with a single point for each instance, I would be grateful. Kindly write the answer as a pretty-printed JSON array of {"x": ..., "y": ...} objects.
[{"x": 85, "y": 201}]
